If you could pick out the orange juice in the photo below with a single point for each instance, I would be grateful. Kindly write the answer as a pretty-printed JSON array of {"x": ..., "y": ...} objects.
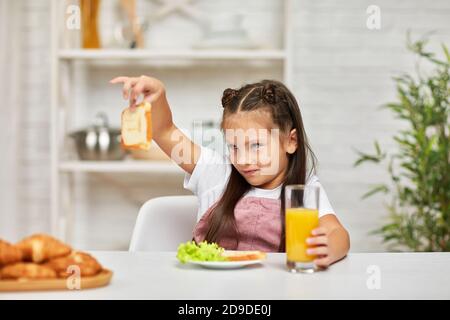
[{"x": 299, "y": 224}]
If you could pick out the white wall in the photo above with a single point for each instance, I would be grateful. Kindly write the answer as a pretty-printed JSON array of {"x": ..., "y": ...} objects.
[
  {"x": 342, "y": 74},
  {"x": 9, "y": 91}
]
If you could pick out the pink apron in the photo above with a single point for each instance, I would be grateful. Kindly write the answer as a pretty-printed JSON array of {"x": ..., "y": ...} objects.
[{"x": 258, "y": 221}]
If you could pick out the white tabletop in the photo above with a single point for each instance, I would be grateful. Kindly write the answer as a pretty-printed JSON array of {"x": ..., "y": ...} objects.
[{"x": 160, "y": 276}]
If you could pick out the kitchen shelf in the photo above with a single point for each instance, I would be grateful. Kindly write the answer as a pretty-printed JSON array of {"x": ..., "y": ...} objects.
[
  {"x": 65, "y": 77},
  {"x": 136, "y": 166},
  {"x": 140, "y": 54}
]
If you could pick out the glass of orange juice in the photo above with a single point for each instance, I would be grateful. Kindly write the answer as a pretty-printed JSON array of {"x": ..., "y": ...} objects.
[{"x": 302, "y": 216}]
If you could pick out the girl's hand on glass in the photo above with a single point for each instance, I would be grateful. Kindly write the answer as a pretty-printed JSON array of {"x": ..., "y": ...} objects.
[
  {"x": 133, "y": 87},
  {"x": 319, "y": 246}
]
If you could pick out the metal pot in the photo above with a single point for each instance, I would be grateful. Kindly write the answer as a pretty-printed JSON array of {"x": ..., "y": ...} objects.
[{"x": 99, "y": 142}]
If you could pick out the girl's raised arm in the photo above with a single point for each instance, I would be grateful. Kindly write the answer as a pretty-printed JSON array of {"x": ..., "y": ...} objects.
[{"x": 170, "y": 139}]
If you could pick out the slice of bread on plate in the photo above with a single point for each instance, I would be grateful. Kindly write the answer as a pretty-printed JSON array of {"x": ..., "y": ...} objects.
[
  {"x": 137, "y": 127},
  {"x": 244, "y": 255}
]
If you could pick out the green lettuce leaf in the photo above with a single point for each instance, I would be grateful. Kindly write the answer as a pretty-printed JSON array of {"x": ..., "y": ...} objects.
[{"x": 190, "y": 251}]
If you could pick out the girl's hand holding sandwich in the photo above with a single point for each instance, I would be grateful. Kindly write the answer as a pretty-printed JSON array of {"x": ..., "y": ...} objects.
[
  {"x": 165, "y": 133},
  {"x": 151, "y": 89}
]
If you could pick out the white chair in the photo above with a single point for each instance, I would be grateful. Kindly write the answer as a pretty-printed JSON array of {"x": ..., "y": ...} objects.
[{"x": 163, "y": 223}]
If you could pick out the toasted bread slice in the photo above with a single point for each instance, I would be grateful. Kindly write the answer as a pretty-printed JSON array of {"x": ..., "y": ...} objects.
[
  {"x": 244, "y": 255},
  {"x": 137, "y": 127}
]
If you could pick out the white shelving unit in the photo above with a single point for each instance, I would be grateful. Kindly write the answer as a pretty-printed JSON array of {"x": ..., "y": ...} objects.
[
  {"x": 119, "y": 166},
  {"x": 142, "y": 54},
  {"x": 62, "y": 171}
]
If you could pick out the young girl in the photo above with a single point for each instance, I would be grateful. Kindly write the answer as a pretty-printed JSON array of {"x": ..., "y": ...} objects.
[{"x": 241, "y": 206}]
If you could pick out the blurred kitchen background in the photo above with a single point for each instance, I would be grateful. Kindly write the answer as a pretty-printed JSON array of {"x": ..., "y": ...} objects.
[{"x": 54, "y": 82}]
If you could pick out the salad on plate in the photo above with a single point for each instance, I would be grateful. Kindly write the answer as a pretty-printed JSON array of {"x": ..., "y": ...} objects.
[{"x": 211, "y": 255}]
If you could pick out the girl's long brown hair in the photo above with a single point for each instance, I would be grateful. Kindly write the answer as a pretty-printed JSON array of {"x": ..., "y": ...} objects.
[{"x": 280, "y": 102}]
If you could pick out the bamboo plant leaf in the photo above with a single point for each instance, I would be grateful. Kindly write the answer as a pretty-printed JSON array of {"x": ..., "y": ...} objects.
[
  {"x": 376, "y": 189},
  {"x": 419, "y": 168}
]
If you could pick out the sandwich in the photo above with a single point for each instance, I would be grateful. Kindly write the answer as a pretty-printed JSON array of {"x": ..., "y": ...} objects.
[
  {"x": 244, "y": 255},
  {"x": 137, "y": 127}
]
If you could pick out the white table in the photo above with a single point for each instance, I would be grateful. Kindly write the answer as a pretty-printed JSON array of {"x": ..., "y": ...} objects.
[{"x": 160, "y": 276}]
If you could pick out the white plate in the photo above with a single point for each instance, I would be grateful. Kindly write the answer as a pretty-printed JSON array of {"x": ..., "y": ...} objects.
[{"x": 225, "y": 264}]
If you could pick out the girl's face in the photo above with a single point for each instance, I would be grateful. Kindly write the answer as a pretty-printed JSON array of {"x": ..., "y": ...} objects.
[{"x": 258, "y": 149}]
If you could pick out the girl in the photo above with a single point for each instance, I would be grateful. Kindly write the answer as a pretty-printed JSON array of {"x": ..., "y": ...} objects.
[{"x": 241, "y": 206}]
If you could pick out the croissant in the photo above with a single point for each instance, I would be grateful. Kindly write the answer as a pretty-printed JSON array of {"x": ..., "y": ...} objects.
[
  {"x": 23, "y": 270},
  {"x": 88, "y": 265},
  {"x": 9, "y": 253},
  {"x": 40, "y": 247}
]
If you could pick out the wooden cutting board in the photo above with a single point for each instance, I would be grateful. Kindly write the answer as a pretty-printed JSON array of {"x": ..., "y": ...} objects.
[{"x": 100, "y": 280}]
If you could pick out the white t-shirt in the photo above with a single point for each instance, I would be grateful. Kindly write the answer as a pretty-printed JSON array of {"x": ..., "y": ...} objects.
[{"x": 210, "y": 176}]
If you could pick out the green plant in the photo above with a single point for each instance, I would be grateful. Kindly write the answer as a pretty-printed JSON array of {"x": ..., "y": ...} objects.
[{"x": 419, "y": 168}]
